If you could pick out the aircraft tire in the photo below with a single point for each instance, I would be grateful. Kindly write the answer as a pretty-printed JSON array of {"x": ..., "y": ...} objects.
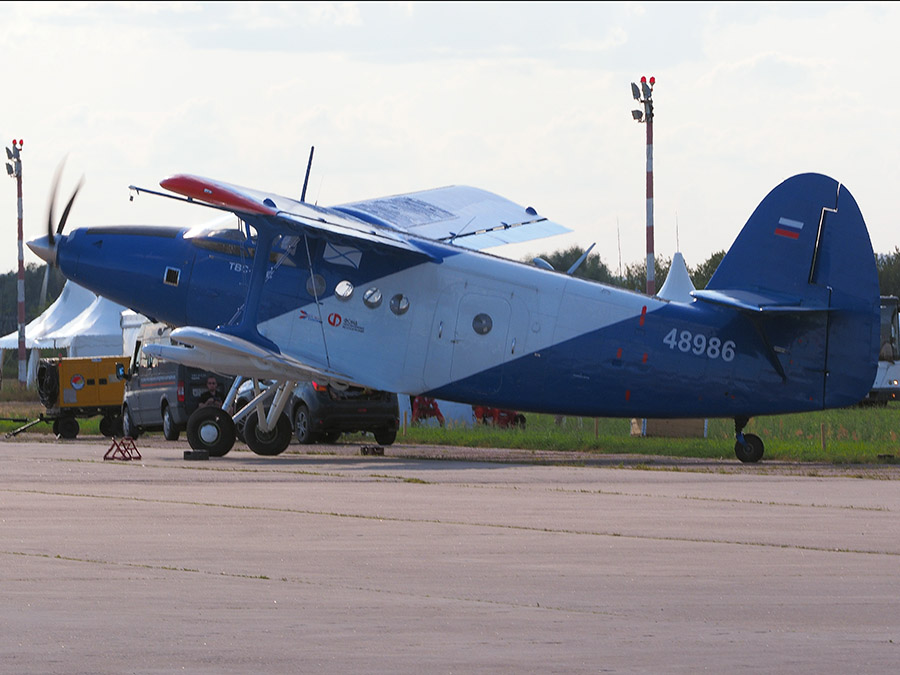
[
  {"x": 211, "y": 429},
  {"x": 752, "y": 452},
  {"x": 268, "y": 443}
]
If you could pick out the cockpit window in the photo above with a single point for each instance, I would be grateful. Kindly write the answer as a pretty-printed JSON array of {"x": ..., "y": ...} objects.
[
  {"x": 230, "y": 228},
  {"x": 223, "y": 246},
  {"x": 239, "y": 240}
]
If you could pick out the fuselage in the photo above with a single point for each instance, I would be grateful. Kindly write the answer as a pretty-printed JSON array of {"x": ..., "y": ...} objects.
[{"x": 462, "y": 325}]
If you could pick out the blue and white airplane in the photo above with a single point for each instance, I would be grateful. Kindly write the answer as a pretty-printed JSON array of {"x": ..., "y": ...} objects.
[{"x": 395, "y": 294}]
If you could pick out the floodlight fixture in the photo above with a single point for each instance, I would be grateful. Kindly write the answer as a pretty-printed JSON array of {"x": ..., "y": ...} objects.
[
  {"x": 9, "y": 169},
  {"x": 8, "y": 153},
  {"x": 637, "y": 115},
  {"x": 634, "y": 92}
]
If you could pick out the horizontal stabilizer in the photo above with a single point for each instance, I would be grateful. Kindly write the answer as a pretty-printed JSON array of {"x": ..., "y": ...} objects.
[
  {"x": 231, "y": 355},
  {"x": 750, "y": 301}
]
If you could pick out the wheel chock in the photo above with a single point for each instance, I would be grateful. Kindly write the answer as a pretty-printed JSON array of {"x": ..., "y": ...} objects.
[
  {"x": 196, "y": 455},
  {"x": 371, "y": 450},
  {"x": 126, "y": 449}
]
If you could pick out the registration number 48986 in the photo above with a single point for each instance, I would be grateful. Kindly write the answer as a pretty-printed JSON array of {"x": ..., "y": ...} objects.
[{"x": 700, "y": 345}]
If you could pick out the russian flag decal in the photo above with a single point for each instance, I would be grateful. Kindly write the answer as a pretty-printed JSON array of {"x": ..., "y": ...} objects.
[{"x": 788, "y": 228}]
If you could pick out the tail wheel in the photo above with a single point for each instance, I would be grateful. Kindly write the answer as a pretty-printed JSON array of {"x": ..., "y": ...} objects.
[
  {"x": 751, "y": 450},
  {"x": 211, "y": 429},
  {"x": 267, "y": 443}
]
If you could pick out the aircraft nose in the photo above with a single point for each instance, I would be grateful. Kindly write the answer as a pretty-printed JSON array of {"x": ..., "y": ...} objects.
[{"x": 44, "y": 248}]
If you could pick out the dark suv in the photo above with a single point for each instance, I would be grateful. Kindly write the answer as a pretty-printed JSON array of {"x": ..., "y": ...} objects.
[{"x": 322, "y": 412}]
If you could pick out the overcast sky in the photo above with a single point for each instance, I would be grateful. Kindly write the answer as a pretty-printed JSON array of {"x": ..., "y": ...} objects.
[{"x": 531, "y": 101}]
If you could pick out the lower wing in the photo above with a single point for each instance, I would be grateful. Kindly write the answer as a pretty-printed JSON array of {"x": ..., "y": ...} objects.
[{"x": 231, "y": 355}]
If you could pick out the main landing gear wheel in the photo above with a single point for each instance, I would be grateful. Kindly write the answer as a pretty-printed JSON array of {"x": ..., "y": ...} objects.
[
  {"x": 211, "y": 429},
  {"x": 267, "y": 443}
]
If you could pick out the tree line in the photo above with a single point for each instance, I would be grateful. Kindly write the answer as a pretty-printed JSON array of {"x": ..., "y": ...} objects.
[{"x": 35, "y": 302}]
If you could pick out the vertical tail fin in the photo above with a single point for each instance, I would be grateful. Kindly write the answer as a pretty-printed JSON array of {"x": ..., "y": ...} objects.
[{"x": 806, "y": 249}]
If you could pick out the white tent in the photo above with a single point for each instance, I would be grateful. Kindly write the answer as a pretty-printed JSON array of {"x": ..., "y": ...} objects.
[
  {"x": 678, "y": 285},
  {"x": 96, "y": 331},
  {"x": 73, "y": 300}
]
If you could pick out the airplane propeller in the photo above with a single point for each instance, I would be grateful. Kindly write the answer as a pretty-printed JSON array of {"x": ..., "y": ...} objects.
[
  {"x": 45, "y": 247},
  {"x": 65, "y": 215}
]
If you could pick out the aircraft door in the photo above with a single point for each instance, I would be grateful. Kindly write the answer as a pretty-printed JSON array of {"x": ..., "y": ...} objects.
[
  {"x": 479, "y": 342},
  {"x": 440, "y": 347}
]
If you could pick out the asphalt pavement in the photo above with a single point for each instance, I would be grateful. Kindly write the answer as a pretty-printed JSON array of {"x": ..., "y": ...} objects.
[{"x": 441, "y": 560}]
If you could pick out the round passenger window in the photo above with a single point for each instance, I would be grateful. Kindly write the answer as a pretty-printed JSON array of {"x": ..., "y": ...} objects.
[
  {"x": 399, "y": 304},
  {"x": 482, "y": 324},
  {"x": 343, "y": 290},
  {"x": 372, "y": 298},
  {"x": 315, "y": 285}
]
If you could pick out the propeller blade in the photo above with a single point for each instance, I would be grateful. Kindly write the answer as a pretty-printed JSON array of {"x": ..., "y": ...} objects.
[
  {"x": 65, "y": 215},
  {"x": 53, "y": 191}
]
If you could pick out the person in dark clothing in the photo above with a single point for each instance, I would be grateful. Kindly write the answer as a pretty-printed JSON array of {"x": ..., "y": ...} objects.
[{"x": 212, "y": 397}]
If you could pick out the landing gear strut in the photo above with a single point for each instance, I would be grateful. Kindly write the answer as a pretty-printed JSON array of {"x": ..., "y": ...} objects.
[
  {"x": 267, "y": 430},
  {"x": 749, "y": 448}
]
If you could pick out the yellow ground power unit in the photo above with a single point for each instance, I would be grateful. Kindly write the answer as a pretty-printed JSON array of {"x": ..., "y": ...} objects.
[{"x": 88, "y": 386}]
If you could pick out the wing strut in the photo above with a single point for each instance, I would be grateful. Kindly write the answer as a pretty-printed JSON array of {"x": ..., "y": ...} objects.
[
  {"x": 247, "y": 327},
  {"x": 315, "y": 290}
]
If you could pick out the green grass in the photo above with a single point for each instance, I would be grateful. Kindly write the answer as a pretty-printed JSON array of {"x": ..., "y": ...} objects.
[
  {"x": 864, "y": 435},
  {"x": 851, "y": 435}
]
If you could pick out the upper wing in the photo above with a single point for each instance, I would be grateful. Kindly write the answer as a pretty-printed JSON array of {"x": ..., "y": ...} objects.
[
  {"x": 463, "y": 215},
  {"x": 245, "y": 200},
  {"x": 460, "y": 215},
  {"x": 231, "y": 355}
]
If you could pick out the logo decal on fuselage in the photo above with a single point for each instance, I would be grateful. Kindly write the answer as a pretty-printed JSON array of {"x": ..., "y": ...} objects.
[{"x": 306, "y": 315}]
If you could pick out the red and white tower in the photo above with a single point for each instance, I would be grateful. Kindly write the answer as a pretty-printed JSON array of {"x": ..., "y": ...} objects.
[
  {"x": 644, "y": 94},
  {"x": 14, "y": 169}
]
